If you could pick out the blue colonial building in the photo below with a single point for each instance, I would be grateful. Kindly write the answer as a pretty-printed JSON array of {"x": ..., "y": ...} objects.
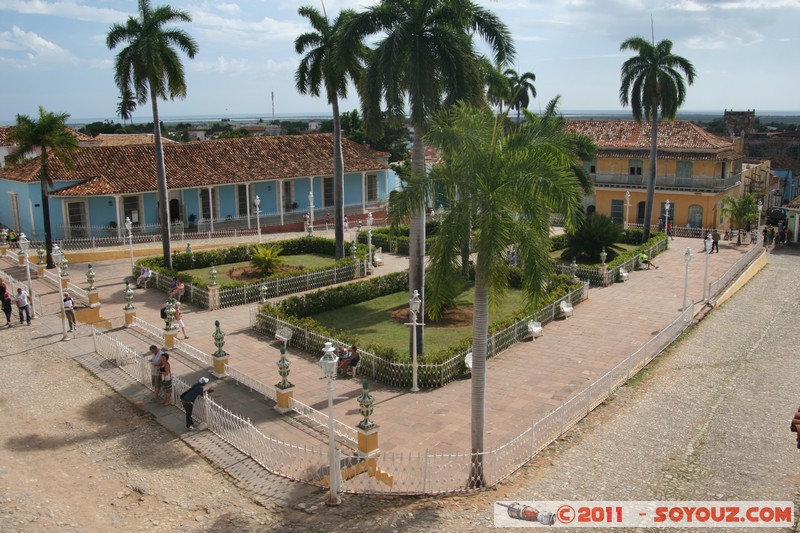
[{"x": 213, "y": 186}]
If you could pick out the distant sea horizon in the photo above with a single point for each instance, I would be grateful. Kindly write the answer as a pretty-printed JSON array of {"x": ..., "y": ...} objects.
[{"x": 256, "y": 117}]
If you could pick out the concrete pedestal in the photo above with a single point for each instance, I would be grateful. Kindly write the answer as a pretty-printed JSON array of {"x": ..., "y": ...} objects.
[
  {"x": 282, "y": 397},
  {"x": 130, "y": 314},
  {"x": 219, "y": 366},
  {"x": 169, "y": 337},
  {"x": 368, "y": 442},
  {"x": 213, "y": 297}
]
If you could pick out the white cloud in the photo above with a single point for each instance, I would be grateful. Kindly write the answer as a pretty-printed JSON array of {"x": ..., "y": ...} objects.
[
  {"x": 689, "y": 5},
  {"x": 66, "y": 9},
  {"x": 230, "y": 9},
  {"x": 38, "y": 51},
  {"x": 234, "y": 66},
  {"x": 705, "y": 42}
]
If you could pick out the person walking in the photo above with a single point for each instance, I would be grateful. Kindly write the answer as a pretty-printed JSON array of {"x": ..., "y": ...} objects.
[
  {"x": 179, "y": 319},
  {"x": 69, "y": 311},
  {"x": 7, "y": 307},
  {"x": 166, "y": 379},
  {"x": 190, "y": 395},
  {"x": 24, "y": 306},
  {"x": 714, "y": 241},
  {"x": 155, "y": 368}
]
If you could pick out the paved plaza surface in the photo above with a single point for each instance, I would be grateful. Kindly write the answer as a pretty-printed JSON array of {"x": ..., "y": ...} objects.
[{"x": 524, "y": 383}]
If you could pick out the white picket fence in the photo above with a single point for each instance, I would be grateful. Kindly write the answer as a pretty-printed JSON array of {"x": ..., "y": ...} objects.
[{"x": 268, "y": 391}]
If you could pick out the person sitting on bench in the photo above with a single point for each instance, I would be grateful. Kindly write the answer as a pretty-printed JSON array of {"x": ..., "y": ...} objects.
[
  {"x": 144, "y": 277},
  {"x": 644, "y": 260}
]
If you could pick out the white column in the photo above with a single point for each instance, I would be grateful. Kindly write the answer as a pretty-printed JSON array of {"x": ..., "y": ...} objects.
[
  {"x": 386, "y": 189},
  {"x": 119, "y": 218},
  {"x": 33, "y": 220},
  {"x": 363, "y": 191},
  {"x": 279, "y": 192},
  {"x": 211, "y": 207},
  {"x": 247, "y": 199}
]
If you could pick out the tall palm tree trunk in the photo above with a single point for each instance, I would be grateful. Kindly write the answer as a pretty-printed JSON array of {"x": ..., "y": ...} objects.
[
  {"x": 651, "y": 179},
  {"x": 338, "y": 179},
  {"x": 480, "y": 328},
  {"x": 48, "y": 231},
  {"x": 161, "y": 181},
  {"x": 416, "y": 269}
]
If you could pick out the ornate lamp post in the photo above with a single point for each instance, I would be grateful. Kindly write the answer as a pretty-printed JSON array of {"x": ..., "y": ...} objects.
[
  {"x": 369, "y": 241},
  {"x": 687, "y": 258},
  {"x": 311, "y": 211},
  {"x": 666, "y": 217},
  {"x": 58, "y": 258},
  {"x": 414, "y": 306},
  {"x": 257, "y": 203},
  {"x": 328, "y": 362},
  {"x": 24, "y": 244},
  {"x": 129, "y": 229},
  {"x": 627, "y": 207}
]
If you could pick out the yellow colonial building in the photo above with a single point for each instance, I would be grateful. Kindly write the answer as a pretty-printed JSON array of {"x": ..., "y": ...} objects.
[{"x": 695, "y": 171}]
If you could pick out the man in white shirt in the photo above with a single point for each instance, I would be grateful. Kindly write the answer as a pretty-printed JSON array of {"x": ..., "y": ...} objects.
[
  {"x": 24, "y": 306},
  {"x": 144, "y": 277}
]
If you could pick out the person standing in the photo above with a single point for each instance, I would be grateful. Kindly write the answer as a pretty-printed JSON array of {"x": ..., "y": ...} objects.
[
  {"x": 166, "y": 379},
  {"x": 24, "y": 306},
  {"x": 69, "y": 311},
  {"x": 179, "y": 319},
  {"x": 189, "y": 396},
  {"x": 155, "y": 368},
  {"x": 188, "y": 247},
  {"x": 7, "y": 307},
  {"x": 714, "y": 241}
]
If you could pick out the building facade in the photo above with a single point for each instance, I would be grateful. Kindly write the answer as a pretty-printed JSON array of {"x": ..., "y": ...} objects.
[
  {"x": 695, "y": 170},
  {"x": 212, "y": 186}
]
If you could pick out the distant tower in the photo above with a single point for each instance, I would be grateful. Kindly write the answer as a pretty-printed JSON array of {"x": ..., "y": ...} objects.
[
  {"x": 738, "y": 123},
  {"x": 273, "y": 104}
]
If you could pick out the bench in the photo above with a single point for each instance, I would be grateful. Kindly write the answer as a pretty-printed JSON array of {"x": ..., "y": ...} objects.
[
  {"x": 535, "y": 329},
  {"x": 566, "y": 309},
  {"x": 283, "y": 335},
  {"x": 377, "y": 257},
  {"x": 623, "y": 275}
]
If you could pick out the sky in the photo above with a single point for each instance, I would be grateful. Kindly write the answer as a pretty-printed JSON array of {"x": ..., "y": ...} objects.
[{"x": 53, "y": 53}]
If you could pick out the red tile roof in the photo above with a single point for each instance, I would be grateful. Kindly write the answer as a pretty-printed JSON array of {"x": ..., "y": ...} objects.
[
  {"x": 124, "y": 139},
  {"x": 679, "y": 136},
  {"x": 131, "y": 169}
]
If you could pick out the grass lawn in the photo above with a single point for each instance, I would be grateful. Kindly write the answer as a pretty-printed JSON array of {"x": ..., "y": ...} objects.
[
  {"x": 302, "y": 260},
  {"x": 372, "y": 321},
  {"x": 556, "y": 256}
]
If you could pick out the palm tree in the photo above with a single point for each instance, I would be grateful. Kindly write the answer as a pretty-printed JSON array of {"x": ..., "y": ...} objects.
[
  {"x": 652, "y": 82},
  {"x": 49, "y": 134},
  {"x": 150, "y": 64},
  {"x": 330, "y": 62},
  {"x": 126, "y": 105},
  {"x": 520, "y": 87},
  {"x": 426, "y": 58},
  {"x": 502, "y": 185},
  {"x": 742, "y": 212}
]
